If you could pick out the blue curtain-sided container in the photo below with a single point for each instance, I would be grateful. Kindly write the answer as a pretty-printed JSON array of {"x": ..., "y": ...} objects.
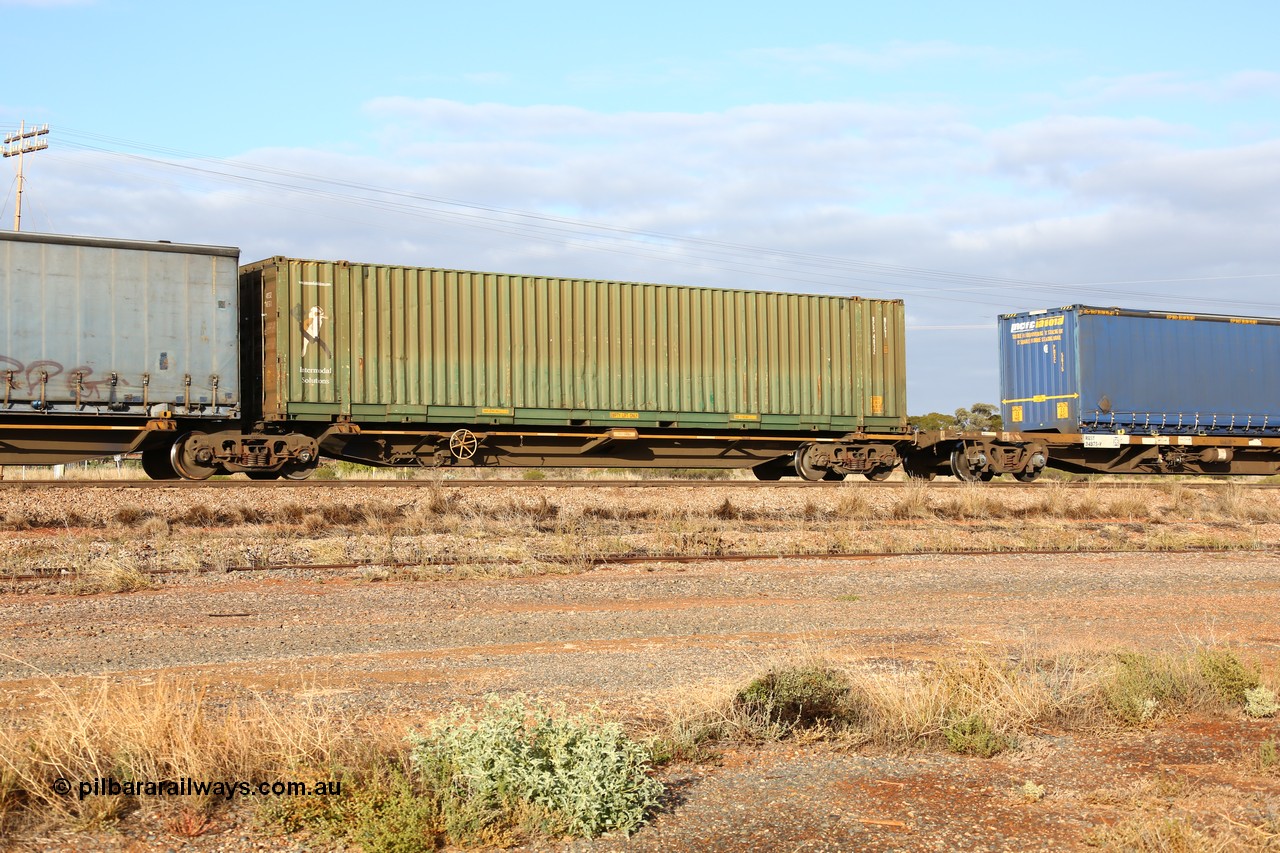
[{"x": 1083, "y": 369}]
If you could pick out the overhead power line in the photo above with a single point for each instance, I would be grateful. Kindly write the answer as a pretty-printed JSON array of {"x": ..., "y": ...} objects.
[{"x": 824, "y": 270}]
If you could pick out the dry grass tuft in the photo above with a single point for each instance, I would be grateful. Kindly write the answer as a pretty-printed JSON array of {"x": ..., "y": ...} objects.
[
  {"x": 610, "y": 512},
  {"x": 110, "y": 573},
  {"x": 162, "y": 731},
  {"x": 972, "y": 501},
  {"x": 853, "y": 506},
  {"x": 1234, "y": 503},
  {"x": 977, "y": 704},
  {"x": 1130, "y": 505},
  {"x": 913, "y": 502},
  {"x": 129, "y": 516}
]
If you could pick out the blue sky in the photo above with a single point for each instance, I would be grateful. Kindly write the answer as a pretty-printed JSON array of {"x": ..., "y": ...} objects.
[{"x": 970, "y": 158}]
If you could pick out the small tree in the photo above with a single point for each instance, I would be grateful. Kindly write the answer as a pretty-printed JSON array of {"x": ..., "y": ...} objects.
[
  {"x": 933, "y": 420},
  {"x": 979, "y": 416}
]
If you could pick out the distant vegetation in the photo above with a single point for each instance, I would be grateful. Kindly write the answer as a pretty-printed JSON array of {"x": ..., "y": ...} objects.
[{"x": 979, "y": 416}]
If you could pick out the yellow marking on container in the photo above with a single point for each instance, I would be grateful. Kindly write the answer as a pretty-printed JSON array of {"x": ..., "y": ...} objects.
[
  {"x": 495, "y": 411},
  {"x": 1179, "y": 316},
  {"x": 1041, "y": 398},
  {"x": 1015, "y": 414},
  {"x": 877, "y": 404},
  {"x": 1064, "y": 410},
  {"x": 742, "y": 416},
  {"x": 625, "y": 415},
  {"x": 1243, "y": 321}
]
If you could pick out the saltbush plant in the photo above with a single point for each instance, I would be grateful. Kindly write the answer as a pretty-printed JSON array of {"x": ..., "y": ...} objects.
[
  {"x": 517, "y": 763},
  {"x": 1261, "y": 702}
]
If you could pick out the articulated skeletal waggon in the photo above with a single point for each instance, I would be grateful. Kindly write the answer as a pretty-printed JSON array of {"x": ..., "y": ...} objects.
[{"x": 205, "y": 366}]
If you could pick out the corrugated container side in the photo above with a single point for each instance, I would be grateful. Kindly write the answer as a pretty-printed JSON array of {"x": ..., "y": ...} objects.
[
  {"x": 146, "y": 312},
  {"x": 1138, "y": 371},
  {"x": 398, "y": 343},
  {"x": 1039, "y": 377}
]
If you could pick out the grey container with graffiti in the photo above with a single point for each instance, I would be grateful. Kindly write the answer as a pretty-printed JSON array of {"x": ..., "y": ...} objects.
[{"x": 105, "y": 327}]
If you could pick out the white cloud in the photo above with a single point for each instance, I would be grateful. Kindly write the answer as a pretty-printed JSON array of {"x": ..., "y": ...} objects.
[
  {"x": 1167, "y": 85},
  {"x": 1062, "y": 199}
]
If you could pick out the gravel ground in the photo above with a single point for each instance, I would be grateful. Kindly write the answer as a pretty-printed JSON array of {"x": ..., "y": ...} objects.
[{"x": 640, "y": 638}]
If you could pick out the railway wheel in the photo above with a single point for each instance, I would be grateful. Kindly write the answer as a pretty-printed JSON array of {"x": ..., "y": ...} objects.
[
  {"x": 193, "y": 458},
  {"x": 917, "y": 468},
  {"x": 806, "y": 463},
  {"x": 879, "y": 475},
  {"x": 156, "y": 464},
  {"x": 772, "y": 470},
  {"x": 961, "y": 469},
  {"x": 298, "y": 470},
  {"x": 1028, "y": 476}
]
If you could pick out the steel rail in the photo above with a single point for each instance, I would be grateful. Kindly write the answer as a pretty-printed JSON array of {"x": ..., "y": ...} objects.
[
  {"x": 613, "y": 484},
  {"x": 62, "y": 573}
]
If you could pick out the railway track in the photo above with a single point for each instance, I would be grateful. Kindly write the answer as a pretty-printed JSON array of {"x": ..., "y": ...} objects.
[
  {"x": 591, "y": 484},
  {"x": 54, "y": 573}
]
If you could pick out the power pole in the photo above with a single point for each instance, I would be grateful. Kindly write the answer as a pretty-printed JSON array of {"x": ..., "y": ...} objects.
[{"x": 15, "y": 145}]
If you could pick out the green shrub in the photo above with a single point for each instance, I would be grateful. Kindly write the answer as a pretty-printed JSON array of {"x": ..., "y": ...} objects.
[
  {"x": 1269, "y": 755},
  {"x": 513, "y": 763},
  {"x": 1226, "y": 674},
  {"x": 382, "y": 810},
  {"x": 534, "y": 474},
  {"x": 972, "y": 735},
  {"x": 800, "y": 697},
  {"x": 1140, "y": 687}
]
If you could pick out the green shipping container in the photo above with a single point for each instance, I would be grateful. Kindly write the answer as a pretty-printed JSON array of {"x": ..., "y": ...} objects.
[{"x": 385, "y": 344}]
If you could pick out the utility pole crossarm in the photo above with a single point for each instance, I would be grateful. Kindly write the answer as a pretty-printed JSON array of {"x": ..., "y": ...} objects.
[{"x": 17, "y": 144}]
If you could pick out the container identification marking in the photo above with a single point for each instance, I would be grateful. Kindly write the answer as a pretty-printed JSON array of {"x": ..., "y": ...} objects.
[
  {"x": 317, "y": 375},
  {"x": 1041, "y": 330},
  {"x": 625, "y": 415},
  {"x": 495, "y": 411},
  {"x": 743, "y": 417},
  {"x": 1109, "y": 442}
]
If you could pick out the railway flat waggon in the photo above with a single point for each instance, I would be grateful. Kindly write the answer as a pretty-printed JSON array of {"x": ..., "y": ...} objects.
[
  {"x": 206, "y": 367},
  {"x": 434, "y": 367}
]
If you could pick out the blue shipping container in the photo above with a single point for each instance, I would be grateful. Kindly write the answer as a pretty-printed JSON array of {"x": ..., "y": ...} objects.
[{"x": 1082, "y": 369}]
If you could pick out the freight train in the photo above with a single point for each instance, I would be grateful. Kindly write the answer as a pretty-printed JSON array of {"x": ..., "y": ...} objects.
[{"x": 205, "y": 367}]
